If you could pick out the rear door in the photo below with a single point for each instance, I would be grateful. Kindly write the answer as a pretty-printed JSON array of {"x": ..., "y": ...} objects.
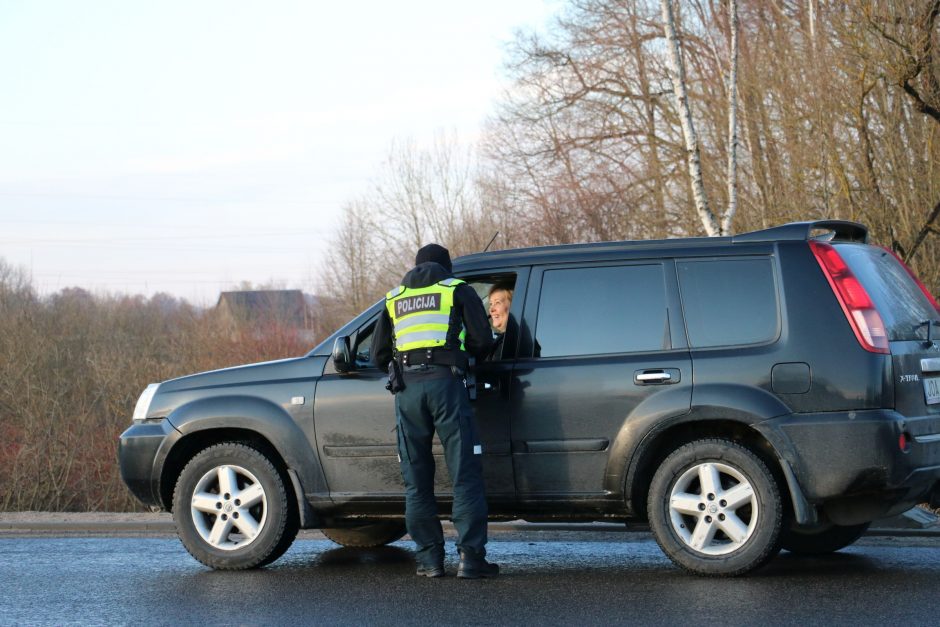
[{"x": 598, "y": 340}]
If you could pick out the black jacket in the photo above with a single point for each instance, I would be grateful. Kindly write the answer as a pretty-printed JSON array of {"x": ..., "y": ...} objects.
[{"x": 467, "y": 306}]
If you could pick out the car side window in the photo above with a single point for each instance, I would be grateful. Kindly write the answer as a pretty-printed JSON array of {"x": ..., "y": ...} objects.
[
  {"x": 363, "y": 347},
  {"x": 497, "y": 293},
  {"x": 602, "y": 310},
  {"x": 728, "y": 302}
]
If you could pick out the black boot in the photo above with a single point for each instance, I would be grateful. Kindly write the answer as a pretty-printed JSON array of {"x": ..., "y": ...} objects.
[{"x": 475, "y": 566}]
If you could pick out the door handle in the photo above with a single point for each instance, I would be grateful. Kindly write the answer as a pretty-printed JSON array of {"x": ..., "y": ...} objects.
[
  {"x": 660, "y": 376},
  {"x": 488, "y": 387},
  {"x": 653, "y": 377}
]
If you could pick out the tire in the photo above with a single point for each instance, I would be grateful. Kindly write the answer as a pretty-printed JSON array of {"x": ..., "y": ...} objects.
[
  {"x": 820, "y": 542},
  {"x": 726, "y": 529},
  {"x": 232, "y": 510},
  {"x": 366, "y": 536}
]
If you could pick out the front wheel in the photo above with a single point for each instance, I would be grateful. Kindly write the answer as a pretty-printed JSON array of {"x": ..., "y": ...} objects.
[
  {"x": 231, "y": 508},
  {"x": 715, "y": 508},
  {"x": 820, "y": 542}
]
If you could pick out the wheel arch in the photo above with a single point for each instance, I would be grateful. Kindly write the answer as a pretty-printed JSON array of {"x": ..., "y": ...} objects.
[
  {"x": 190, "y": 445},
  {"x": 252, "y": 421},
  {"x": 658, "y": 444}
]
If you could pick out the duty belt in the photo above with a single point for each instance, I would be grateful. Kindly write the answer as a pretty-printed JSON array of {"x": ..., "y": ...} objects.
[{"x": 432, "y": 356}]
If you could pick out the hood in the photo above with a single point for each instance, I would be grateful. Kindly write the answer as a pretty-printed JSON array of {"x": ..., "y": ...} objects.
[
  {"x": 250, "y": 374},
  {"x": 425, "y": 274},
  {"x": 248, "y": 380}
]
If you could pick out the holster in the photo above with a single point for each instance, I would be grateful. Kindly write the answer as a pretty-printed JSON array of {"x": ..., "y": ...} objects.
[
  {"x": 470, "y": 379},
  {"x": 396, "y": 383}
]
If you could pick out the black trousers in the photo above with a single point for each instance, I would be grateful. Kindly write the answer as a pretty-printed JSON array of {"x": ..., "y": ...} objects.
[{"x": 441, "y": 405}]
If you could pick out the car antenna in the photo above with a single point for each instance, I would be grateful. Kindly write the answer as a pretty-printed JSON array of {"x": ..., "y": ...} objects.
[{"x": 491, "y": 241}]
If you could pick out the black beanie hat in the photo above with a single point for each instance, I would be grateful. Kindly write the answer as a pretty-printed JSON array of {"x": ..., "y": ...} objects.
[{"x": 435, "y": 253}]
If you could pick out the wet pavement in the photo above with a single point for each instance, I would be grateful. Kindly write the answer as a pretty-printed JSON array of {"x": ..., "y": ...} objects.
[{"x": 548, "y": 577}]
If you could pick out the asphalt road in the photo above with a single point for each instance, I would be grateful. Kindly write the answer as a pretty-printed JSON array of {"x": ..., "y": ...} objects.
[{"x": 548, "y": 578}]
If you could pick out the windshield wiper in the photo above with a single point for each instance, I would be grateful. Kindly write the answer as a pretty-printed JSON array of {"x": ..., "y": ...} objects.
[{"x": 930, "y": 325}]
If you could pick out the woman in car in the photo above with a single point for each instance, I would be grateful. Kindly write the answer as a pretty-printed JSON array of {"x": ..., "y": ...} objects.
[{"x": 500, "y": 300}]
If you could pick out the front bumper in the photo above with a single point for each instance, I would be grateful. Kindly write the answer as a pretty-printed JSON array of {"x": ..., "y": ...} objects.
[
  {"x": 842, "y": 454},
  {"x": 140, "y": 455}
]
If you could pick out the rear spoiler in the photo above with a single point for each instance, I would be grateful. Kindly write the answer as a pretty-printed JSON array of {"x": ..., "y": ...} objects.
[{"x": 823, "y": 230}]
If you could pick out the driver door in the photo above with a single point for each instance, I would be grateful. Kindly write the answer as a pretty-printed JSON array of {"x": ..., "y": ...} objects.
[{"x": 354, "y": 418}]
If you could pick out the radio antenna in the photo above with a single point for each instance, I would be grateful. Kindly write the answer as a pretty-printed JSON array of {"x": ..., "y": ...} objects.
[{"x": 491, "y": 241}]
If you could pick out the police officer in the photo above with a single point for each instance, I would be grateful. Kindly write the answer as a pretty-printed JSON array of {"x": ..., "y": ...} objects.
[{"x": 429, "y": 326}]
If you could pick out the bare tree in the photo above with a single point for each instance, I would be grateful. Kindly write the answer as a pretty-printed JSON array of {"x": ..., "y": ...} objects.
[
  {"x": 908, "y": 37},
  {"x": 424, "y": 195},
  {"x": 693, "y": 153},
  {"x": 732, "y": 121},
  {"x": 419, "y": 196},
  {"x": 587, "y": 144},
  {"x": 568, "y": 141},
  {"x": 580, "y": 131},
  {"x": 351, "y": 277}
]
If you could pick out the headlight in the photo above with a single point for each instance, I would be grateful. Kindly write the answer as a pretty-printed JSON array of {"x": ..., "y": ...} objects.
[{"x": 143, "y": 403}]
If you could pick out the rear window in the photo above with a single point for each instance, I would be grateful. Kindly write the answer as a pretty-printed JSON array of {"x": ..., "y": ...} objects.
[{"x": 902, "y": 305}]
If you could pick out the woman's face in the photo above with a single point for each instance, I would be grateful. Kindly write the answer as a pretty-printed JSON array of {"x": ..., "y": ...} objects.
[{"x": 499, "y": 309}]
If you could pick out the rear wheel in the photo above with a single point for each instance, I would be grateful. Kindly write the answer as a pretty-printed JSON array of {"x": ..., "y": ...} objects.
[
  {"x": 231, "y": 508},
  {"x": 715, "y": 508},
  {"x": 369, "y": 535},
  {"x": 820, "y": 541}
]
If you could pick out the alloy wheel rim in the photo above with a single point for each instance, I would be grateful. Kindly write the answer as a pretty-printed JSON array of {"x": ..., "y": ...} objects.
[
  {"x": 713, "y": 508},
  {"x": 229, "y": 507}
]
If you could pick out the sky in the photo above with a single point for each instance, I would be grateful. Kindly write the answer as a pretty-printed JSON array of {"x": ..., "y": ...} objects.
[{"x": 188, "y": 146}]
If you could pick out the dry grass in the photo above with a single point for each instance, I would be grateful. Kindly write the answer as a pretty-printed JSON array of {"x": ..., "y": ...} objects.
[{"x": 72, "y": 368}]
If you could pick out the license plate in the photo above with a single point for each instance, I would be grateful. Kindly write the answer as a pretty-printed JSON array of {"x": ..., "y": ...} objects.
[{"x": 932, "y": 390}]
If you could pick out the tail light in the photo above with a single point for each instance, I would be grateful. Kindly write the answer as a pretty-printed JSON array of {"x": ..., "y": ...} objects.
[
  {"x": 858, "y": 307},
  {"x": 920, "y": 284}
]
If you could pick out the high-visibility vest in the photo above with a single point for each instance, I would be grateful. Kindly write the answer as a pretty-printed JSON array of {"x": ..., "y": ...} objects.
[{"x": 421, "y": 315}]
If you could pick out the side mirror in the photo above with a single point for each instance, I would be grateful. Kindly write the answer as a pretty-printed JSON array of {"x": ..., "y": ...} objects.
[{"x": 342, "y": 360}]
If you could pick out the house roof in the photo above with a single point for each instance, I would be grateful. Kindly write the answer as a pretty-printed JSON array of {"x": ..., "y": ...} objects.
[{"x": 285, "y": 306}]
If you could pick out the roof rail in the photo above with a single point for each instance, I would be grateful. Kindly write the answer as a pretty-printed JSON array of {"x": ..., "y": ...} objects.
[{"x": 838, "y": 230}]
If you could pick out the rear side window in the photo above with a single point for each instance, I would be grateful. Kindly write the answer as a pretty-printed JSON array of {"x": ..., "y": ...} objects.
[
  {"x": 729, "y": 302},
  {"x": 902, "y": 305},
  {"x": 602, "y": 310}
]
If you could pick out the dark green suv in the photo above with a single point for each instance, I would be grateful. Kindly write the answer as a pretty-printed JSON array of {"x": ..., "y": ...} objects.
[{"x": 775, "y": 389}]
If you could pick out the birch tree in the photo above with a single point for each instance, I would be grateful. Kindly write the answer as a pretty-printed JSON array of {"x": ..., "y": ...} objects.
[
  {"x": 693, "y": 153},
  {"x": 732, "y": 121}
]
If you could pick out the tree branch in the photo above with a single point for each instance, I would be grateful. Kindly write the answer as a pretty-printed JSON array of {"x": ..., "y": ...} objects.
[{"x": 927, "y": 228}]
